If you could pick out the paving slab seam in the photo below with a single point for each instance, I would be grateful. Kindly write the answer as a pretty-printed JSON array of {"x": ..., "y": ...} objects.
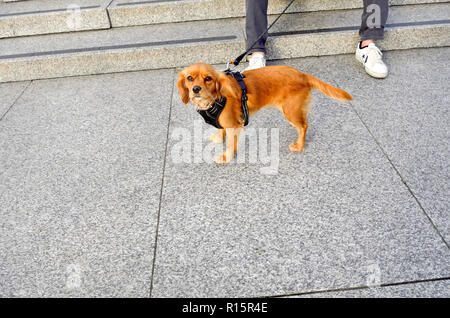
[
  {"x": 360, "y": 287},
  {"x": 107, "y": 13},
  {"x": 162, "y": 182},
  {"x": 401, "y": 177},
  {"x": 15, "y": 101},
  {"x": 93, "y": 74}
]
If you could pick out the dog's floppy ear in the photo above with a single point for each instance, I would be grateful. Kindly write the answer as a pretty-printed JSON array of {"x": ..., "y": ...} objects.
[
  {"x": 225, "y": 87},
  {"x": 182, "y": 90}
]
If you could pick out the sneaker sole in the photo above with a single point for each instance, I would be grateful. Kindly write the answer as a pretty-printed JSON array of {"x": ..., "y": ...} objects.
[
  {"x": 371, "y": 73},
  {"x": 375, "y": 74}
]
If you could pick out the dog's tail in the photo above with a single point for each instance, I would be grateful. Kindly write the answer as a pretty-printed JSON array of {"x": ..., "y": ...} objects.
[{"x": 327, "y": 89}]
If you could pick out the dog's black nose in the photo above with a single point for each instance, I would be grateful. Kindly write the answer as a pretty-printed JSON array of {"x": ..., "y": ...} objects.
[{"x": 196, "y": 89}]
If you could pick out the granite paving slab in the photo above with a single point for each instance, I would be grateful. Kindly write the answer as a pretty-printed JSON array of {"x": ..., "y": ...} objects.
[
  {"x": 336, "y": 216},
  {"x": 82, "y": 162},
  {"x": 408, "y": 113}
]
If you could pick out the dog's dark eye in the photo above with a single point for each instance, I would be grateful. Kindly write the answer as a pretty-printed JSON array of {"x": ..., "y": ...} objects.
[
  {"x": 190, "y": 78},
  {"x": 208, "y": 79}
]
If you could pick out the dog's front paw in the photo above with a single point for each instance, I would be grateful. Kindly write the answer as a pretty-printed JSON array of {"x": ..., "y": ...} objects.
[
  {"x": 296, "y": 147},
  {"x": 223, "y": 158},
  {"x": 217, "y": 139}
]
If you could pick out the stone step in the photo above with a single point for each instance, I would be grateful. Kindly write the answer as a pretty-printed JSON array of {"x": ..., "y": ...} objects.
[
  {"x": 142, "y": 12},
  {"x": 49, "y": 16},
  {"x": 213, "y": 41}
]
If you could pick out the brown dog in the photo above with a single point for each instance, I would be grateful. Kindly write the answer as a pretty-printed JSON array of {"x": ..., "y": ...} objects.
[{"x": 284, "y": 87}]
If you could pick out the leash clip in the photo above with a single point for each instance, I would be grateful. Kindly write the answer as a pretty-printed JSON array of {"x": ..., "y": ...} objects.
[{"x": 229, "y": 70}]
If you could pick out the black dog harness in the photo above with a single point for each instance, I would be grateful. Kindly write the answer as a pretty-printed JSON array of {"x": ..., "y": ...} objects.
[{"x": 211, "y": 115}]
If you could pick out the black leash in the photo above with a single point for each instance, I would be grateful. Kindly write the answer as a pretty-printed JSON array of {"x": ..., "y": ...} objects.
[{"x": 240, "y": 57}]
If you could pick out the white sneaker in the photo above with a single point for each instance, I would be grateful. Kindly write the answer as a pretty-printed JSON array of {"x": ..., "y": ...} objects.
[
  {"x": 256, "y": 61},
  {"x": 371, "y": 58}
]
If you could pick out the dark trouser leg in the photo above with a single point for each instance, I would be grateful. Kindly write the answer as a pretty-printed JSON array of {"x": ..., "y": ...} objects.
[
  {"x": 374, "y": 19},
  {"x": 256, "y": 24}
]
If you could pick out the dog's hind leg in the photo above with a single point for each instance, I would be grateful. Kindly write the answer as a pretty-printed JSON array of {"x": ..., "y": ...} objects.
[
  {"x": 296, "y": 112},
  {"x": 299, "y": 145}
]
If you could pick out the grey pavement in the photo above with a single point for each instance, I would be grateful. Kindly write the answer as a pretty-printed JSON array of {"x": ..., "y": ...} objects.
[
  {"x": 408, "y": 116},
  {"x": 94, "y": 200},
  {"x": 82, "y": 161}
]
